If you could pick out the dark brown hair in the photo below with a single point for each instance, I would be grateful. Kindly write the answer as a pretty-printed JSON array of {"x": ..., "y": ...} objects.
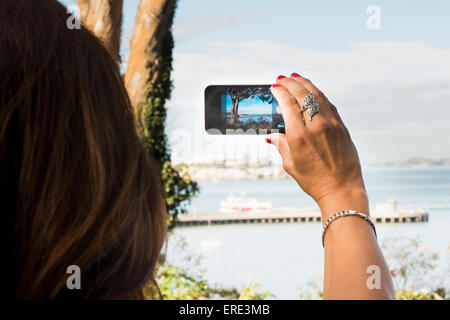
[{"x": 77, "y": 187}]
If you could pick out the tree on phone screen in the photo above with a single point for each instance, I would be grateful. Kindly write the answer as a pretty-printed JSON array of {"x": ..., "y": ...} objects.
[{"x": 238, "y": 94}]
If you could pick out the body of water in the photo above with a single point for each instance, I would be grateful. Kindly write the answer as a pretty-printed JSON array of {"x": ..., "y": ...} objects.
[{"x": 280, "y": 257}]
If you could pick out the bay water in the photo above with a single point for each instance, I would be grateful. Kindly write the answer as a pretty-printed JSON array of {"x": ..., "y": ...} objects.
[{"x": 280, "y": 257}]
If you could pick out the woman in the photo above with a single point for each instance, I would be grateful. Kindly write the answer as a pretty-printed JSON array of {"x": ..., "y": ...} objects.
[
  {"x": 78, "y": 188},
  {"x": 77, "y": 185},
  {"x": 318, "y": 153}
]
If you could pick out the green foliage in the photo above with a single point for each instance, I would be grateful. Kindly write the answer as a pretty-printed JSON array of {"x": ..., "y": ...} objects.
[
  {"x": 185, "y": 279},
  {"x": 421, "y": 295},
  {"x": 250, "y": 292},
  {"x": 151, "y": 115},
  {"x": 175, "y": 284},
  {"x": 179, "y": 189},
  {"x": 439, "y": 294}
]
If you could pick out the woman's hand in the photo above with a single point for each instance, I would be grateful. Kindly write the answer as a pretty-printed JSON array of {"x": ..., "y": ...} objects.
[{"x": 319, "y": 154}]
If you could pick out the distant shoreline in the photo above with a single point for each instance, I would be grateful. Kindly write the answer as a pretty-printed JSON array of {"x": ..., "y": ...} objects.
[
  {"x": 235, "y": 173},
  {"x": 242, "y": 171},
  {"x": 416, "y": 162},
  {"x": 404, "y": 167}
]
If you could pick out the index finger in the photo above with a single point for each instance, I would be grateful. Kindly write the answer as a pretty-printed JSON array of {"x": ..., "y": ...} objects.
[{"x": 289, "y": 109}]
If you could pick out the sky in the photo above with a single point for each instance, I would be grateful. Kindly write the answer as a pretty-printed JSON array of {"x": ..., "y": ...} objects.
[
  {"x": 387, "y": 71},
  {"x": 250, "y": 106}
]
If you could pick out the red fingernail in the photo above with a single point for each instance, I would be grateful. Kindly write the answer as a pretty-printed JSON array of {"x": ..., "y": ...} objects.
[
  {"x": 275, "y": 85},
  {"x": 268, "y": 140},
  {"x": 280, "y": 77},
  {"x": 295, "y": 75}
]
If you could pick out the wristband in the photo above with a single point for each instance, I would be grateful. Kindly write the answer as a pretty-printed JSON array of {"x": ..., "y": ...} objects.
[{"x": 346, "y": 213}]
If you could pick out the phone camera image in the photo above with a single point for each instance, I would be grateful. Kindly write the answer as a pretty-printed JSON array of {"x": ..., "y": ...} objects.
[{"x": 241, "y": 109}]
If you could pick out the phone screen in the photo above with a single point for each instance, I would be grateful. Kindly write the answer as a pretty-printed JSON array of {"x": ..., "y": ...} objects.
[{"x": 242, "y": 109}]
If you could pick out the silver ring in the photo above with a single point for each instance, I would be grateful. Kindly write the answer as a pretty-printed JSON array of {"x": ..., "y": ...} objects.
[{"x": 309, "y": 103}]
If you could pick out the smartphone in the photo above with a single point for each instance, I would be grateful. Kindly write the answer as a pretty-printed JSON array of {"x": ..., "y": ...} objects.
[{"x": 242, "y": 109}]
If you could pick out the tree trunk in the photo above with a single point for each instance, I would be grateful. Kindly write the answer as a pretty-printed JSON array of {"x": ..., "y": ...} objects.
[
  {"x": 104, "y": 19},
  {"x": 153, "y": 21}
]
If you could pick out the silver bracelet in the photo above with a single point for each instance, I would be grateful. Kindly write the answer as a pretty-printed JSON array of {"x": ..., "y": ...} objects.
[{"x": 345, "y": 213}]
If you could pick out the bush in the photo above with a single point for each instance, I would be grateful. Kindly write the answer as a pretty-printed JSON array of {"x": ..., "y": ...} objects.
[
  {"x": 421, "y": 295},
  {"x": 177, "y": 285},
  {"x": 183, "y": 280}
]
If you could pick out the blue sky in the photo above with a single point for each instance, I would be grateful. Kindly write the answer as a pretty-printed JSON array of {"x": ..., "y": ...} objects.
[
  {"x": 321, "y": 24},
  {"x": 250, "y": 106},
  {"x": 391, "y": 85}
]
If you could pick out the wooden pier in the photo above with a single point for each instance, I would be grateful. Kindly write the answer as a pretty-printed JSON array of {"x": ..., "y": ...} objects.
[{"x": 410, "y": 216}]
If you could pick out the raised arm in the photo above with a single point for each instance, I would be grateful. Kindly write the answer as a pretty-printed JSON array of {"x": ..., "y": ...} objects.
[{"x": 320, "y": 155}]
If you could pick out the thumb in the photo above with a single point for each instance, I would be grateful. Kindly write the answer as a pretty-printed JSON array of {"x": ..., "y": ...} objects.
[
  {"x": 273, "y": 138},
  {"x": 279, "y": 140}
]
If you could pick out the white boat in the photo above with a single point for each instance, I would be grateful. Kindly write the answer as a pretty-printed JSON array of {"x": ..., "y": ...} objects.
[{"x": 234, "y": 204}]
